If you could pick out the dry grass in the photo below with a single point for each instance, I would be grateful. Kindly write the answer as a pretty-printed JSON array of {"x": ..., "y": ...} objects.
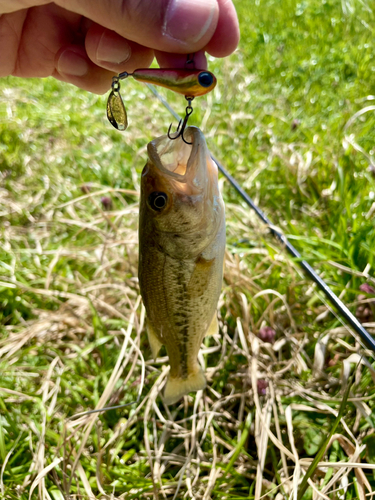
[{"x": 205, "y": 445}]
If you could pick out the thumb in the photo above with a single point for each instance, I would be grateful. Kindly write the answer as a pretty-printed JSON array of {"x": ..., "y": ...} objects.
[{"x": 167, "y": 25}]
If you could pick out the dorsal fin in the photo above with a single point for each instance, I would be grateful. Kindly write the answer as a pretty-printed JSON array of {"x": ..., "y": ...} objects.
[{"x": 153, "y": 340}]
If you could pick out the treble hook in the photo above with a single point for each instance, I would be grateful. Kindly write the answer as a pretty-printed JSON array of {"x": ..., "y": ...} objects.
[{"x": 181, "y": 126}]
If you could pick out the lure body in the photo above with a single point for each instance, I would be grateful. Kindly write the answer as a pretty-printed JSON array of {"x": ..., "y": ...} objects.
[
  {"x": 181, "y": 253},
  {"x": 192, "y": 83}
]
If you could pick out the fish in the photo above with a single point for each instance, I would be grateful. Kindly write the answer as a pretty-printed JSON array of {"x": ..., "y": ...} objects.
[{"x": 181, "y": 254}]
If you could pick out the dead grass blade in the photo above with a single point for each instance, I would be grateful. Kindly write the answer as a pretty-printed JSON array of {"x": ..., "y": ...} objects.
[{"x": 118, "y": 369}]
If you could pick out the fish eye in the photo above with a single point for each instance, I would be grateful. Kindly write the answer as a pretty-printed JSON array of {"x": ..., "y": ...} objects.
[
  {"x": 205, "y": 79},
  {"x": 157, "y": 200}
]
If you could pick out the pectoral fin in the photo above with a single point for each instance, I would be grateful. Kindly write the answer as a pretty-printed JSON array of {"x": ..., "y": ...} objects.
[
  {"x": 201, "y": 276},
  {"x": 213, "y": 328},
  {"x": 153, "y": 340}
]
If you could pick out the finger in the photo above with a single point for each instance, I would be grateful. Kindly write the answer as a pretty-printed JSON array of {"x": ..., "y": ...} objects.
[
  {"x": 10, "y": 27},
  {"x": 6, "y": 7},
  {"x": 111, "y": 51},
  {"x": 167, "y": 60},
  {"x": 227, "y": 34},
  {"x": 74, "y": 66},
  {"x": 169, "y": 25}
]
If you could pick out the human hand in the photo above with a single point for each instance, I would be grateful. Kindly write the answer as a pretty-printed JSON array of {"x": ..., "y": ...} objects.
[{"x": 86, "y": 42}]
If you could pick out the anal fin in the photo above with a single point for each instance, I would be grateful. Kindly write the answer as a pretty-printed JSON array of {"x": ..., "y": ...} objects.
[
  {"x": 153, "y": 340},
  {"x": 213, "y": 328}
]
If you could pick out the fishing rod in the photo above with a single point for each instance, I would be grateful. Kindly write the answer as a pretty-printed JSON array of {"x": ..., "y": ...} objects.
[{"x": 332, "y": 297}]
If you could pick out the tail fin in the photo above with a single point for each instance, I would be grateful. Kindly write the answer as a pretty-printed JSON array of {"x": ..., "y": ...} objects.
[{"x": 178, "y": 387}]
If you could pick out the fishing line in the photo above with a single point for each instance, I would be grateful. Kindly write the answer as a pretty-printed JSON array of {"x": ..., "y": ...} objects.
[
  {"x": 332, "y": 297},
  {"x": 117, "y": 407}
]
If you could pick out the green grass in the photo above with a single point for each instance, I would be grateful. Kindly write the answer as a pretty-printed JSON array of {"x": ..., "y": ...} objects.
[{"x": 279, "y": 121}]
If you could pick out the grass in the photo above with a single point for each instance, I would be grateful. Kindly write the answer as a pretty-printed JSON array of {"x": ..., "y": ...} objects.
[{"x": 285, "y": 120}]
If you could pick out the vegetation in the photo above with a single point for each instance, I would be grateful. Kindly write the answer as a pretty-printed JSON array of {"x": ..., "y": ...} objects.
[{"x": 292, "y": 118}]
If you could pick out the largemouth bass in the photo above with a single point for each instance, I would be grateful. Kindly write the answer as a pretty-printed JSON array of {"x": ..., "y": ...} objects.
[{"x": 181, "y": 253}]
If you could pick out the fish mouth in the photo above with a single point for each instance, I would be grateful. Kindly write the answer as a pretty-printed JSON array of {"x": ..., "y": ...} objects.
[{"x": 179, "y": 160}]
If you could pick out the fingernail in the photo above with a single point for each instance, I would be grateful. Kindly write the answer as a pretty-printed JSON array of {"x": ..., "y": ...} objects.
[
  {"x": 189, "y": 20},
  {"x": 113, "y": 49},
  {"x": 72, "y": 63}
]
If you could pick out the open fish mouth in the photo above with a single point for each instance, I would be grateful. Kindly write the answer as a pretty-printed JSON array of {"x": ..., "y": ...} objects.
[{"x": 178, "y": 160}]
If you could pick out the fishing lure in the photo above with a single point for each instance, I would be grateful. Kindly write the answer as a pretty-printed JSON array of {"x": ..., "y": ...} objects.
[{"x": 188, "y": 82}]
